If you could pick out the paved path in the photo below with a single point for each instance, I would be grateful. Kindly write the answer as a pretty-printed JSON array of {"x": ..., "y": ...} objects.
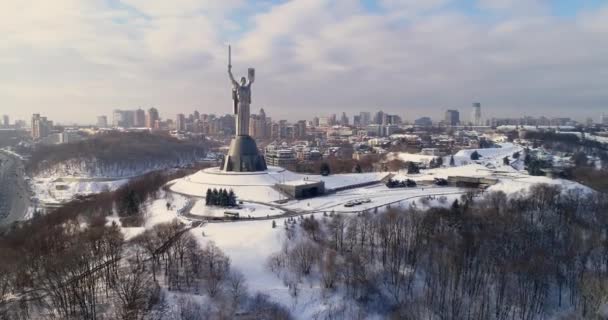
[{"x": 290, "y": 212}]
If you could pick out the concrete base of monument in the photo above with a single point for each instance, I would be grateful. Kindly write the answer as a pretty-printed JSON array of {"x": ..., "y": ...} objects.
[
  {"x": 243, "y": 156},
  {"x": 261, "y": 186},
  {"x": 256, "y": 186}
]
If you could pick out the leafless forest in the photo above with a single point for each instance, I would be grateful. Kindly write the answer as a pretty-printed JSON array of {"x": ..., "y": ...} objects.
[
  {"x": 535, "y": 256},
  {"x": 116, "y": 154}
]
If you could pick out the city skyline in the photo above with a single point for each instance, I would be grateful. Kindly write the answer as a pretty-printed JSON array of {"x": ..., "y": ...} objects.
[{"x": 75, "y": 60}]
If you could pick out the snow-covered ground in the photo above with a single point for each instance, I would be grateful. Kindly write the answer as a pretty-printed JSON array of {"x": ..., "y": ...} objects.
[
  {"x": 57, "y": 190},
  {"x": 249, "y": 243},
  {"x": 410, "y": 157},
  {"x": 493, "y": 156},
  {"x": 260, "y": 186}
]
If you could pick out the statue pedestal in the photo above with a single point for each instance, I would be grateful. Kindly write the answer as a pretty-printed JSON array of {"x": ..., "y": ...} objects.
[{"x": 243, "y": 156}]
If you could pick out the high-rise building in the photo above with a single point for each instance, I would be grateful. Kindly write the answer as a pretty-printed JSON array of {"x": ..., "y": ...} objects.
[
  {"x": 356, "y": 120},
  {"x": 604, "y": 119},
  {"x": 332, "y": 120},
  {"x": 139, "y": 118},
  {"x": 315, "y": 122},
  {"x": 152, "y": 119},
  {"x": 476, "y": 114},
  {"x": 323, "y": 122},
  {"x": 344, "y": 119},
  {"x": 423, "y": 122},
  {"x": 452, "y": 117},
  {"x": 41, "y": 127},
  {"x": 6, "y": 121},
  {"x": 117, "y": 118},
  {"x": 300, "y": 129},
  {"x": 365, "y": 118},
  {"x": 180, "y": 122},
  {"x": 102, "y": 122},
  {"x": 379, "y": 117},
  {"x": 391, "y": 119}
]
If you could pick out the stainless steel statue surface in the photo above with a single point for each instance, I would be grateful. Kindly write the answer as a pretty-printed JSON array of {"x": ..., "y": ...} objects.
[
  {"x": 241, "y": 95},
  {"x": 243, "y": 155}
]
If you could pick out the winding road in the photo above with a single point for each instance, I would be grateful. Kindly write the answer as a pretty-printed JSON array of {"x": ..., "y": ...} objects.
[{"x": 14, "y": 190}]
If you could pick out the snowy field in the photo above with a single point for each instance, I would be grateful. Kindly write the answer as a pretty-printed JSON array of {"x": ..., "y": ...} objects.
[
  {"x": 249, "y": 244},
  {"x": 378, "y": 196},
  {"x": 493, "y": 156},
  {"x": 58, "y": 190},
  {"x": 259, "y": 187}
]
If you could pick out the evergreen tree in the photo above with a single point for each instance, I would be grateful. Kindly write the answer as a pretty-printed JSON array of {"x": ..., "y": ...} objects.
[
  {"x": 224, "y": 198},
  {"x": 274, "y": 224},
  {"x": 452, "y": 162},
  {"x": 131, "y": 203},
  {"x": 208, "y": 197},
  {"x": 412, "y": 168},
  {"x": 324, "y": 170},
  {"x": 357, "y": 168},
  {"x": 516, "y": 155},
  {"x": 506, "y": 161},
  {"x": 231, "y": 199},
  {"x": 475, "y": 155},
  {"x": 216, "y": 196}
]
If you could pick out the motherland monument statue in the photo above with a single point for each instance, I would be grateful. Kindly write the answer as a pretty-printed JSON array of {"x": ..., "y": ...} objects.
[{"x": 243, "y": 155}]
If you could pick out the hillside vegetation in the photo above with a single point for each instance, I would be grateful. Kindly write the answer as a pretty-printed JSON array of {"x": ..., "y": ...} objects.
[{"x": 115, "y": 154}]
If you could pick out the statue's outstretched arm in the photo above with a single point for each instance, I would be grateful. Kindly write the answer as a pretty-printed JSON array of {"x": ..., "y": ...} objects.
[{"x": 234, "y": 83}]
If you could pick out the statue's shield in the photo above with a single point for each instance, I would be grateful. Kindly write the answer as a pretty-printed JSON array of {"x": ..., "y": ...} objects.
[{"x": 251, "y": 74}]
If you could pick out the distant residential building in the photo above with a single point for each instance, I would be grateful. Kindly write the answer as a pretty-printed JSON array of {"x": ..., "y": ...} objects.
[
  {"x": 5, "y": 121},
  {"x": 102, "y": 122},
  {"x": 391, "y": 119},
  {"x": 279, "y": 157},
  {"x": 152, "y": 119},
  {"x": 117, "y": 118},
  {"x": 379, "y": 118},
  {"x": 423, "y": 122},
  {"x": 180, "y": 122},
  {"x": 41, "y": 126},
  {"x": 476, "y": 114},
  {"x": 324, "y": 122},
  {"x": 344, "y": 119},
  {"x": 139, "y": 118},
  {"x": 258, "y": 127},
  {"x": 332, "y": 120},
  {"x": 452, "y": 117},
  {"x": 61, "y": 138},
  {"x": 389, "y": 129},
  {"x": 299, "y": 130},
  {"x": 365, "y": 118},
  {"x": 315, "y": 122},
  {"x": 123, "y": 118}
]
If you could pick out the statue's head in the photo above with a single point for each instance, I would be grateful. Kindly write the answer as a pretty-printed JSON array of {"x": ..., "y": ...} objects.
[{"x": 243, "y": 81}]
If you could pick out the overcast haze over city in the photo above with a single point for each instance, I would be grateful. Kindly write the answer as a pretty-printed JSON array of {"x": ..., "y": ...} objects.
[{"x": 74, "y": 60}]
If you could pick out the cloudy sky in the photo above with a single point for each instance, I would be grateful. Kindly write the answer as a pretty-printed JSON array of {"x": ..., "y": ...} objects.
[{"x": 75, "y": 59}]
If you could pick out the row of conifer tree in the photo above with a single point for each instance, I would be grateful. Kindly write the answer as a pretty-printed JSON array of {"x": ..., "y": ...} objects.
[{"x": 221, "y": 197}]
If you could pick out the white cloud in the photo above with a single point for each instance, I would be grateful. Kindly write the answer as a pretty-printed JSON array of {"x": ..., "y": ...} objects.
[{"x": 75, "y": 59}]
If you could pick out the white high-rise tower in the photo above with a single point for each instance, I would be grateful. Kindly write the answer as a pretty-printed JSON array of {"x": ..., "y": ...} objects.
[{"x": 476, "y": 114}]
